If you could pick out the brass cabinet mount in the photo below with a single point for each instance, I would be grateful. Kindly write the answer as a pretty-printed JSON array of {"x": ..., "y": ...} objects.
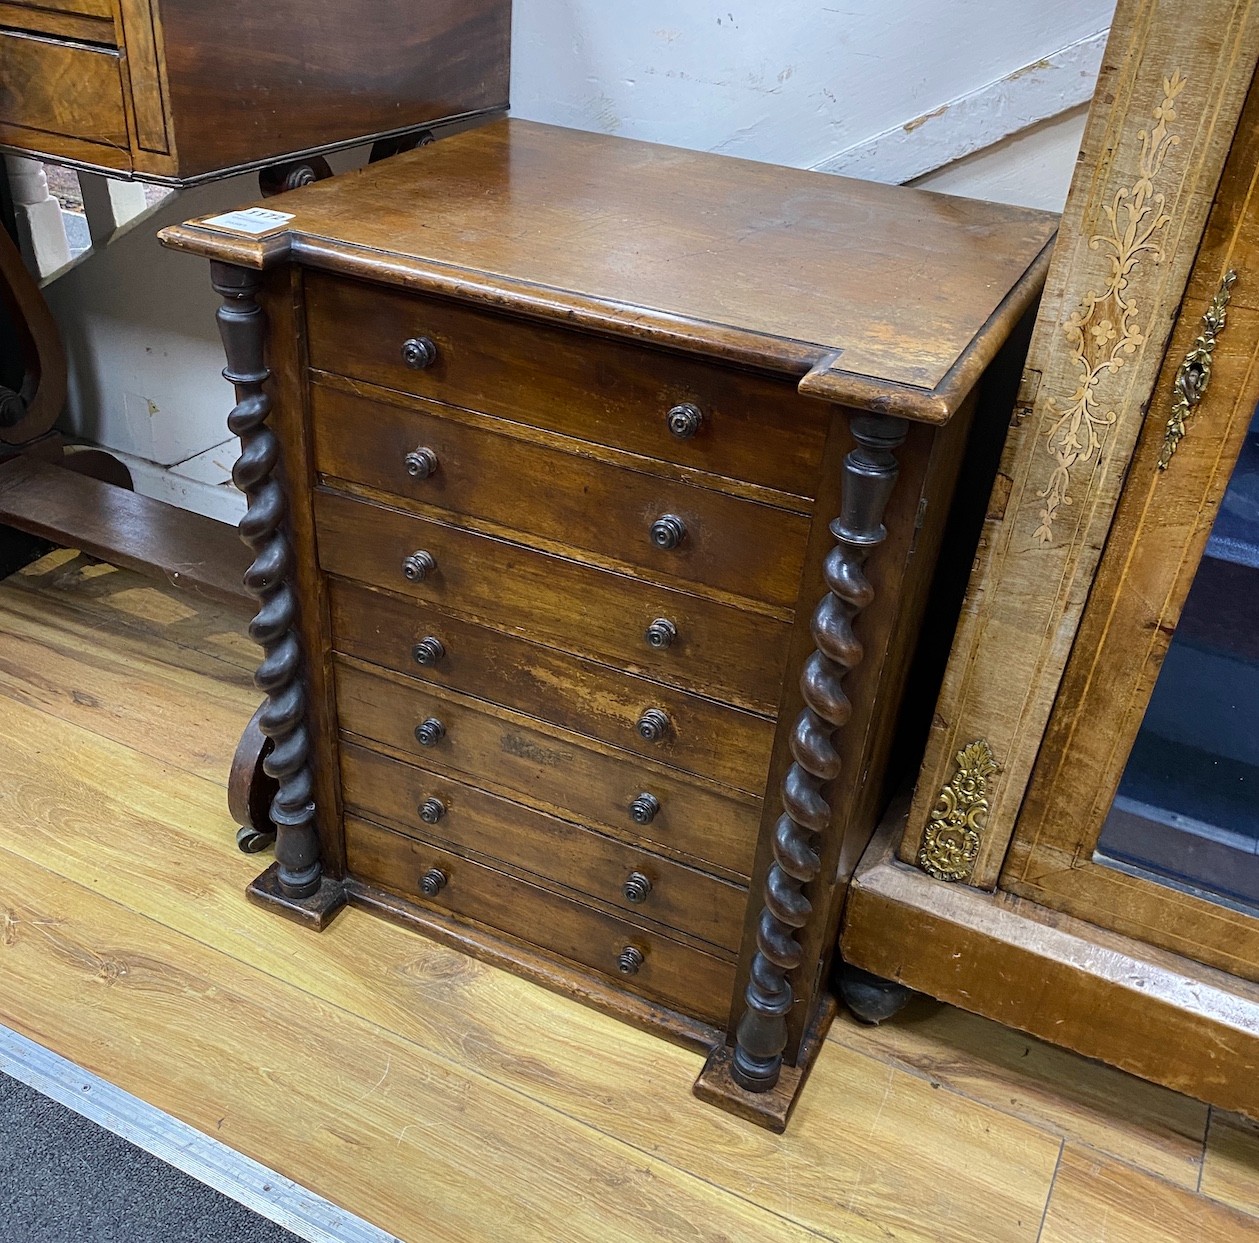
[{"x": 1195, "y": 372}]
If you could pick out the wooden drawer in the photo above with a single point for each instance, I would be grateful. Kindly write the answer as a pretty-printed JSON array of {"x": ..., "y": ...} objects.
[
  {"x": 485, "y": 472},
  {"x": 90, "y": 21},
  {"x": 711, "y": 739},
  {"x": 613, "y": 393},
  {"x": 61, "y": 88},
  {"x": 578, "y": 858},
  {"x": 730, "y": 653},
  {"x": 549, "y": 767},
  {"x": 682, "y": 977},
  {"x": 102, "y": 9}
]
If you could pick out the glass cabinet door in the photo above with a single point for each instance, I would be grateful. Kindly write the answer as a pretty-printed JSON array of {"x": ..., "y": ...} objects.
[
  {"x": 1142, "y": 812},
  {"x": 1187, "y": 807}
]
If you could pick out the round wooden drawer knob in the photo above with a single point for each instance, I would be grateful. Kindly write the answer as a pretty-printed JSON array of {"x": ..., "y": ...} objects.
[
  {"x": 653, "y": 726},
  {"x": 668, "y": 531},
  {"x": 418, "y": 566},
  {"x": 684, "y": 420},
  {"x": 428, "y": 651},
  {"x": 432, "y": 810},
  {"x": 661, "y": 633},
  {"x": 419, "y": 353},
  {"x": 421, "y": 463},
  {"x": 645, "y": 808},
  {"x": 630, "y": 961},
  {"x": 433, "y": 882},
  {"x": 636, "y": 887},
  {"x": 430, "y": 732}
]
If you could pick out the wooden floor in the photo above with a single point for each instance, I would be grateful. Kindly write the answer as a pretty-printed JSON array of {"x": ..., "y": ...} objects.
[{"x": 446, "y": 1100}]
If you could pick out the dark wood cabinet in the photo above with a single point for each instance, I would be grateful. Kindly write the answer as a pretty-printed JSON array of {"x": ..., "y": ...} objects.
[
  {"x": 179, "y": 90},
  {"x": 597, "y": 490}
]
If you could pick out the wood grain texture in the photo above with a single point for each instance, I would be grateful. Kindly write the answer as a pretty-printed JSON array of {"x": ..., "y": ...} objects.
[
  {"x": 135, "y": 611},
  {"x": 292, "y": 79},
  {"x": 146, "y": 74},
  {"x": 548, "y": 766},
  {"x": 521, "y": 206},
  {"x": 1230, "y": 1164},
  {"x": 599, "y": 391},
  {"x": 1152, "y": 557},
  {"x": 197, "y": 554},
  {"x": 595, "y": 865},
  {"x": 1169, "y": 95},
  {"x": 728, "y": 653},
  {"x": 103, "y": 9},
  {"x": 1057, "y": 1090},
  {"x": 714, "y": 740},
  {"x": 161, "y": 709},
  {"x": 888, "y": 630},
  {"x": 355, "y": 71},
  {"x": 1097, "y": 1198},
  {"x": 535, "y": 472},
  {"x": 63, "y": 149},
  {"x": 482, "y": 1051},
  {"x": 485, "y": 472},
  {"x": 129, "y": 974},
  {"x": 75, "y": 22},
  {"x": 680, "y": 976},
  {"x": 1175, "y": 1022},
  {"x": 61, "y": 89}
]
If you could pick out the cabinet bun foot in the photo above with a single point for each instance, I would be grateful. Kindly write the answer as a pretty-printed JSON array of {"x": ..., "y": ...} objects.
[{"x": 870, "y": 998}]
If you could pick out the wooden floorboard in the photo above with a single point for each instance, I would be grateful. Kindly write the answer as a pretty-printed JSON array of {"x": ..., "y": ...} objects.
[
  {"x": 1230, "y": 1167},
  {"x": 438, "y": 1097},
  {"x": 1139, "y": 1122},
  {"x": 1095, "y": 1198}
]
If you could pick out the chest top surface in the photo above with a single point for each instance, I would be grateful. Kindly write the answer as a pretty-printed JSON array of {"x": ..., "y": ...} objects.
[{"x": 874, "y": 295}]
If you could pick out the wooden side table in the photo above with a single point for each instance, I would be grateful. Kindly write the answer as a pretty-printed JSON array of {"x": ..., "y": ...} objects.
[{"x": 153, "y": 90}]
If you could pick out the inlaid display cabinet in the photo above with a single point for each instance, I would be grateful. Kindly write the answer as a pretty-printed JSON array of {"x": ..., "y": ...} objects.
[{"x": 1079, "y": 856}]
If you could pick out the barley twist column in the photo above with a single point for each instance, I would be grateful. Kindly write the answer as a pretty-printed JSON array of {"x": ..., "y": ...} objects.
[
  {"x": 870, "y": 472},
  {"x": 242, "y": 325}
]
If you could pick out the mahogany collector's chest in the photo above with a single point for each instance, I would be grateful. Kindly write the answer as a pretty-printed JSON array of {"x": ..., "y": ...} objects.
[{"x": 596, "y": 490}]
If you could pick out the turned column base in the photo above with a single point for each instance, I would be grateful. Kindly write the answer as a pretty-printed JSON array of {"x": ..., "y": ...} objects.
[
  {"x": 771, "y": 1109},
  {"x": 316, "y": 911}
]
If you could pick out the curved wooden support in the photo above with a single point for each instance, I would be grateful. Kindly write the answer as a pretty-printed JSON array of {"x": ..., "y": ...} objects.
[
  {"x": 870, "y": 472},
  {"x": 29, "y": 411},
  {"x": 250, "y": 791},
  {"x": 282, "y": 718}
]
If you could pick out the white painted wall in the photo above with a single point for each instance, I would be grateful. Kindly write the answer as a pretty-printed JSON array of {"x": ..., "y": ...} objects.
[
  {"x": 1032, "y": 168},
  {"x": 789, "y": 81},
  {"x": 891, "y": 88}
]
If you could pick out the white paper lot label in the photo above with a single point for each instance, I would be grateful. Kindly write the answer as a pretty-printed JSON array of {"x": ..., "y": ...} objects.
[{"x": 253, "y": 220}]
